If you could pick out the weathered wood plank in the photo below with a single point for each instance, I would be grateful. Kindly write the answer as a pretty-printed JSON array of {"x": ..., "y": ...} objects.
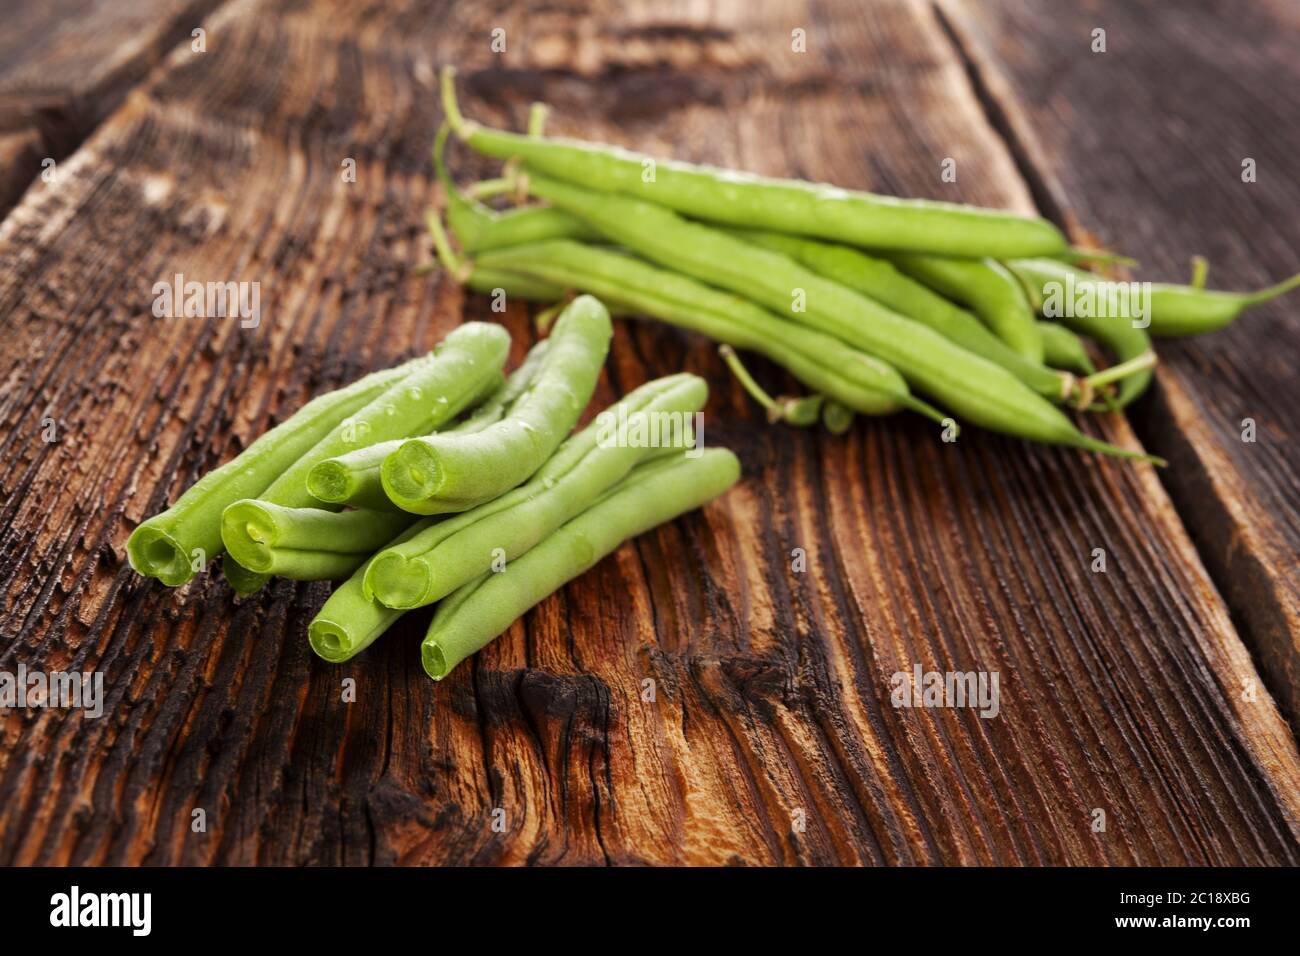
[
  {"x": 66, "y": 64},
  {"x": 771, "y": 736},
  {"x": 1143, "y": 145}
]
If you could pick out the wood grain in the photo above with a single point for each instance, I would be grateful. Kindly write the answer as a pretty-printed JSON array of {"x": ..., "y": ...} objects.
[
  {"x": 66, "y": 64},
  {"x": 1143, "y": 146},
  {"x": 771, "y": 737}
]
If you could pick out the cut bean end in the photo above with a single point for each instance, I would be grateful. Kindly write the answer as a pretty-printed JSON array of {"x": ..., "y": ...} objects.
[
  {"x": 435, "y": 664},
  {"x": 330, "y": 641},
  {"x": 248, "y": 531},
  {"x": 397, "y": 582},
  {"x": 462, "y": 127},
  {"x": 158, "y": 555},
  {"x": 411, "y": 475},
  {"x": 330, "y": 481}
]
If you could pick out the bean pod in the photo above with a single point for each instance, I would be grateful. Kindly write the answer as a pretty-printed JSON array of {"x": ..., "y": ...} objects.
[
  {"x": 783, "y": 205},
  {"x": 972, "y": 387},
  {"x": 173, "y": 545},
  {"x": 438, "y": 474},
  {"x": 882, "y": 281},
  {"x": 465, "y": 365},
  {"x": 656, "y": 492},
  {"x": 1111, "y": 324},
  {"x": 819, "y": 360},
  {"x": 447, "y": 554},
  {"x": 989, "y": 289}
]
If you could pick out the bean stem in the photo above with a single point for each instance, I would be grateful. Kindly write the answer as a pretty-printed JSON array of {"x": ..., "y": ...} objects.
[
  {"x": 793, "y": 411},
  {"x": 1140, "y": 363}
]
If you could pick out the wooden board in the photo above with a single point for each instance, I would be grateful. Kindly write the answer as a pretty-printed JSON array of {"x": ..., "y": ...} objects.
[
  {"x": 65, "y": 65},
  {"x": 1188, "y": 110},
  {"x": 771, "y": 737}
]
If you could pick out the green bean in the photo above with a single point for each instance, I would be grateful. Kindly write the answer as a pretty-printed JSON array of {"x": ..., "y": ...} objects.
[
  {"x": 1173, "y": 310},
  {"x": 1063, "y": 349},
  {"x": 443, "y": 556},
  {"x": 488, "y": 281},
  {"x": 656, "y": 492},
  {"x": 315, "y": 544},
  {"x": 974, "y": 388},
  {"x": 989, "y": 289},
  {"x": 173, "y": 545},
  {"x": 354, "y": 478},
  {"x": 881, "y": 281},
  {"x": 1112, "y": 325},
  {"x": 479, "y": 228},
  {"x": 241, "y": 580},
  {"x": 462, "y": 367},
  {"x": 819, "y": 360},
  {"x": 780, "y": 204},
  {"x": 307, "y": 544},
  {"x": 456, "y": 375},
  {"x": 437, "y": 474},
  {"x": 836, "y": 418},
  {"x": 349, "y": 622},
  {"x": 799, "y": 412}
]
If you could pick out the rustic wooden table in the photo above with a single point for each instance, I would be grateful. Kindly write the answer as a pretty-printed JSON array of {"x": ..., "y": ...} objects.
[{"x": 1157, "y": 692}]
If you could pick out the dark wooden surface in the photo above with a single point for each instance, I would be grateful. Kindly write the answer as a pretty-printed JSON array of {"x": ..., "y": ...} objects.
[
  {"x": 65, "y": 64},
  {"x": 1123, "y": 691},
  {"x": 1190, "y": 97}
]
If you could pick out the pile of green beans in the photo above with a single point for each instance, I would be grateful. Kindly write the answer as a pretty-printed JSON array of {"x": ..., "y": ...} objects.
[
  {"x": 311, "y": 543},
  {"x": 443, "y": 482},
  {"x": 593, "y": 481},
  {"x": 975, "y": 389},
  {"x": 446, "y": 554},
  {"x": 655, "y": 492},
  {"x": 438, "y": 474},
  {"x": 310, "y": 501},
  {"x": 463, "y": 370},
  {"x": 816, "y": 278},
  {"x": 178, "y": 543}
]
